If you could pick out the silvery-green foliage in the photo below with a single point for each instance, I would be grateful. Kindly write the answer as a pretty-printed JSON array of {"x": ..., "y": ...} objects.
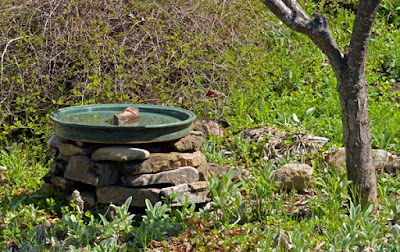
[
  {"x": 225, "y": 196},
  {"x": 358, "y": 231},
  {"x": 213, "y": 155},
  {"x": 109, "y": 245},
  {"x": 299, "y": 242},
  {"x": 186, "y": 211},
  {"x": 124, "y": 219},
  {"x": 155, "y": 225}
]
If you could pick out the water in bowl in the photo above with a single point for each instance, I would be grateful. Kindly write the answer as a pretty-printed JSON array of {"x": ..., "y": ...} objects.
[{"x": 106, "y": 118}]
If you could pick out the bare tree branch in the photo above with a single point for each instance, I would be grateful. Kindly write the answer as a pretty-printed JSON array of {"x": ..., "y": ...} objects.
[
  {"x": 362, "y": 29},
  {"x": 292, "y": 15},
  {"x": 296, "y": 8}
]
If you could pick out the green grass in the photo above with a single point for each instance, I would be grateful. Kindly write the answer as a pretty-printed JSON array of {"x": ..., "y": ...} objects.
[
  {"x": 270, "y": 76},
  {"x": 244, "y": 214}
]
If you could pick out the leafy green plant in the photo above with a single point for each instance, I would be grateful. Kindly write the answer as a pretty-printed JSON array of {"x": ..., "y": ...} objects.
[
  {"x": 263, "y": 188},
  {"x": 213, "y": 154},
  {"x": 21, "y": 222},
  {"x": 335, "y": 187},
  {"x": 357, "y": 232},
  {"x": 109, "y": 245},
  {"x": 226, "y": 197},
  {"x": 299, "y": 243},
  {"x": 155, "y": 225},
  {"x": 19, "y": 166}
]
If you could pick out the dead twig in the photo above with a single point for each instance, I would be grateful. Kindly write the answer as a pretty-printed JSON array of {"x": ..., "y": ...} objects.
[{"x": 2, "y": 60}]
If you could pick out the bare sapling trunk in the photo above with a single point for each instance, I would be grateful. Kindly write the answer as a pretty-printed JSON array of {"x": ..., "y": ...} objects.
[{"x": 349, "y": 70}]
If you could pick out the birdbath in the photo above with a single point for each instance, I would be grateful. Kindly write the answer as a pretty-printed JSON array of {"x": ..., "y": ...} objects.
[
  {"x": 94, "y": 123},
  {"x": 110, "y": 152}
]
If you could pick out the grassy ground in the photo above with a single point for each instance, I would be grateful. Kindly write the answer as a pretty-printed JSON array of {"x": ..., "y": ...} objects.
[{"x": 70, "y": 52}]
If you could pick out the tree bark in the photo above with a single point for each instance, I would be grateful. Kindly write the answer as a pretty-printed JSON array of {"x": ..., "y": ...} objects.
[{"x": 349, "y": 70}]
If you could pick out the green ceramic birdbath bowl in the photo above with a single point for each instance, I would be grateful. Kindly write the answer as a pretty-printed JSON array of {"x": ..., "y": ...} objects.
[{"x": 94, "y": 123}]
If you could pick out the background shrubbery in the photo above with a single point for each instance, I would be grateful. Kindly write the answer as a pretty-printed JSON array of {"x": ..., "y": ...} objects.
[{"x": 62, "y": 53}]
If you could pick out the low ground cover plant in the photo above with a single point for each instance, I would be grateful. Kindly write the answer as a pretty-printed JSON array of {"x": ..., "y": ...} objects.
[{"x": 244, "y": 214}]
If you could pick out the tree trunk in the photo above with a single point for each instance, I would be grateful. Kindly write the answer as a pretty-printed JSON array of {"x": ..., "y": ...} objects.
[
  {"x": 357, "y": 140},
  {"x": 352, "y": 85}
]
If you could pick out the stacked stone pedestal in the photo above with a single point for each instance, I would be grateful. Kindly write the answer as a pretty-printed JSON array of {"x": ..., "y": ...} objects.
[{"x": 107, "y": 173}]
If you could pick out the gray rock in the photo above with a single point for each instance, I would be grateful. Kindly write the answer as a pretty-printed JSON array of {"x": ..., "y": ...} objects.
[
  {"x": 81, "y": 168},
  {"x": 156, "y": 162},
  {"x": 203, "y": 172},
  {"x": 54, "y": 141},
  {"x": 392, "y": 167},
  {"x": 89, "y": 198},
  {"x": 196, "y": 192},
  {"x": 119, "y": 153},
  {"x": 294, "y": 176},
  {"x": 118, "y": 195},
  {"x": 52, "y": 152},
  {"x": 197, "y": 160},
  {"x": 178, "y": 176},
  {"x": 58, "y": 167},
  {"x": 338, "y": 160},
  {"x": 63, "y": 157},
  {"x": 71, "y": 150},
  {"x": 63, "y": 184},
  {"x": 382, "y": 159},
  {"x": 157, "y": 147},
  {"x": 189, "y": 143},
  {"x": 208, "y": 127}
]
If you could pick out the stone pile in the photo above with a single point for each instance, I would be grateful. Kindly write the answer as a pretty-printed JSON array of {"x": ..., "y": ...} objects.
[{"x": 106, "y": 173}]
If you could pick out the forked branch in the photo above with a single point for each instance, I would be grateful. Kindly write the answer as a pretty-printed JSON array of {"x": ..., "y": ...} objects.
[{"x": 294, "y": 16}]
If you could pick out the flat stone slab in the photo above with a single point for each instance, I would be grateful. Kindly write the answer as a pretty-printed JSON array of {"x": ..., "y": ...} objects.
[
  {"x": 119, "y": 194},
  {"x": 196, "y": 192},
  {"x": 54, "y": 141},
  {"x": 71, "y": 150},
  {"x": 81, "y": 168},
  {"x": 156, "y": 162},
  {"x": 178, "y": 176},
  {"x": 189, "y": 143},
  {"x": 64, "y": 184},
  {"x": 197, "y": 160},
  {"x": 203, "y": 172},
  {"x": 58, "y": 167},
  {"x": 194, "y": 159},
  {"x": 119, "y": 154}
]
